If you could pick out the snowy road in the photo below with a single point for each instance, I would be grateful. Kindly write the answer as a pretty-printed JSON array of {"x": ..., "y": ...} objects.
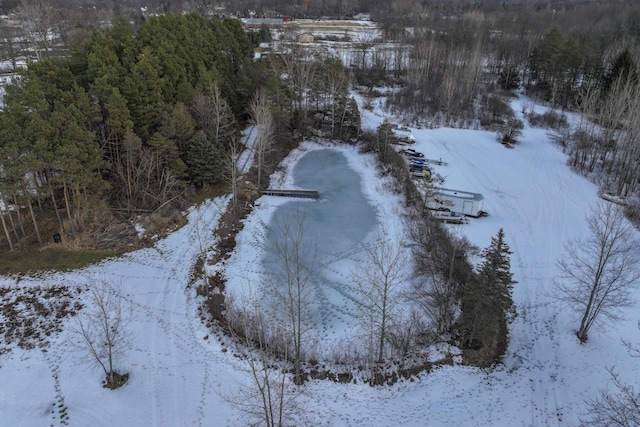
[{"x": 175, "y": 372}]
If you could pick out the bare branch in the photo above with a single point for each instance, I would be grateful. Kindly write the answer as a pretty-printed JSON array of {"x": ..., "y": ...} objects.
[
  {"x": 599, "y": 271},
  {"x": 379, "y": 278},
  {"x": 270, "y": 399},
  {"x": 620, "y": 407},
  {"x": 295, "y": 263},
  {"x": 102, "y": 329},
  {"x": 265, "y": 126}
]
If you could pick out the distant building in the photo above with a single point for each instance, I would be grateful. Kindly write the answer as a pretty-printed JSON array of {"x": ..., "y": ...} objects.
[
  {"x": 256, "y": 23},
  {"x": 362, "y": 17},
  {"x": 305, "y": 38},
  {"x": 262, "y": 51}
]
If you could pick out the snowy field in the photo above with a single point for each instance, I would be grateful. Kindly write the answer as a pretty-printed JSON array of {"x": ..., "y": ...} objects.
[{"x": 181, "y": 377}]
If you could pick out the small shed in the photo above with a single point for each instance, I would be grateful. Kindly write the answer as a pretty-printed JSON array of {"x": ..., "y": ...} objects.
[{"x": 305, "y": 38}]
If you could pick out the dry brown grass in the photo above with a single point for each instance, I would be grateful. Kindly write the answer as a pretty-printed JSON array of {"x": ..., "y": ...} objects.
[{"x": 101, "y": 235}]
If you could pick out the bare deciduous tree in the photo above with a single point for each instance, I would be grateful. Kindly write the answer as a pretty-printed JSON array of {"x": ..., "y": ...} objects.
[
  {"x": 102, "y": 329},
  {"x": 607, "y": 134},
  {"x": 440, "y": 256},
  {"x": 510, "y": 131},
  {"x": 214, "y": 115},
  {"x": 620, "y": 408},
  {"x": 40, "y": 16},
  {"x": 600, "y": 270},
  {"x": 269, "y": 399},
  {"x": 3, "y": 207},
  {"x": 232, "y": 172},
  {"x": 400, "y": 58},
  {"x": 406, "y": 334},
  {"x": 9, "y": 45},
  {"x": 364, "y": 41},
  {"x": 299, "y": 71},
  {"x": 295, "y": 258},
  {"x": 336, "y": 83},
  {"x": 261, "y": 116},
  {"x": 379, "y": 279},
  {"x": 142, "y": 183}
]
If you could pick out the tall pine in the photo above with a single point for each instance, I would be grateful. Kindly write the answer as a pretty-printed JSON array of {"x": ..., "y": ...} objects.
[
  {"x": 487, "y": 304},
  {"x": 623, "y": 68}
]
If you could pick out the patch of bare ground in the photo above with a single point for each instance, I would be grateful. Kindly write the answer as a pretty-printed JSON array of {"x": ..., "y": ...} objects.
[
  {"x": 381, "y": 376},
  {"x": 117, "y": 380},
  {"x": 30, "y": 316}
]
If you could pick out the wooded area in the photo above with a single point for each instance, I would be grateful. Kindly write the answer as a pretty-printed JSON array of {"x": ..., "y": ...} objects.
[{"x": 125, "y": 123}]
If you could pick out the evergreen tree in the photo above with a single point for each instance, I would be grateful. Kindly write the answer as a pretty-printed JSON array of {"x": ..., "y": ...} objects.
[
  {"x": 509, "y": 78},
  {"x": 116, "y": 119},
  {"x": 167, "y": 156},
  {"x": 487, "y": 303},
  {"x": 77, "y": 166},
  {"x": 143, "y": 90},
  {"x": 236, "y": 51},
  {"x": 624, "y": 67},
  {"x": 546, "y": 58},
  {"x": 178, "y": 126},
  {"x": 204, "y": 159},
  {"x": 559, "y": 67},
  {"x": 495, "y": 274}
]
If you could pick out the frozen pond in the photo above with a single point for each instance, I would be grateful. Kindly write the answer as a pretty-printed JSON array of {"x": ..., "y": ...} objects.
[{"x": 334, "y": 229}]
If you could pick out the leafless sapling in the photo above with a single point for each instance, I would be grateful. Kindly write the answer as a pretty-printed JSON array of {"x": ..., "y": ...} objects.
[
  {"x": 269, "y": 399},
  {"x": 263, "y": 119},
  {"x": 599, "y": 270},
  {"x": 295, "y": 254},
  {"x": 102, "y": 329},
  {"x": 379, "y": 279},
  {"x": 232, "y": 171},
  {"x": 619, "y": 407}
]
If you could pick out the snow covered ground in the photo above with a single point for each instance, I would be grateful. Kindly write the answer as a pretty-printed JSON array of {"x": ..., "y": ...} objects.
[{"x": 180, "y": 376}]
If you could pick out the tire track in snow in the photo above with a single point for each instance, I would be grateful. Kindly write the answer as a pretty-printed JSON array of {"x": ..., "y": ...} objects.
[
  {"x": 179, "y": 334},
  {"x": 554, "y": 206},
  {"x": 168, "y": 311},
  {"x": 181, "y": 327},
  {"x": 533, "y": 348}
]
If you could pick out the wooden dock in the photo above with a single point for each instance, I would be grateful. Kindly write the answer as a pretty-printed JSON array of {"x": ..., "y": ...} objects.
[{"x": 303, "y": 194}]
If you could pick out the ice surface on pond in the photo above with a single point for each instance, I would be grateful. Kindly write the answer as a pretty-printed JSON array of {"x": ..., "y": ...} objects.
[{"x": 334, "y": 230}]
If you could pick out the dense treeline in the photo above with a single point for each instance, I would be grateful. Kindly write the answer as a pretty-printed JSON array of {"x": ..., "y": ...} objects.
[
  {"x": 127, "y": 121},
  {"x": 554, "y": 52}
]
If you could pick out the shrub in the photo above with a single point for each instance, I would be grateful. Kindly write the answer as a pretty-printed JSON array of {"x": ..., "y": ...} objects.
[
  {"x": 494, "y": 111},
  {"x": 509, "y": 78},
  {"x": 549, "y": 120},
  {"x": 510, "y": 131}
]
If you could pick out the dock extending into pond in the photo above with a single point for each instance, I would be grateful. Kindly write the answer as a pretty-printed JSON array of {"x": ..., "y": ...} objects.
[{"x": 304, "y": 194}]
